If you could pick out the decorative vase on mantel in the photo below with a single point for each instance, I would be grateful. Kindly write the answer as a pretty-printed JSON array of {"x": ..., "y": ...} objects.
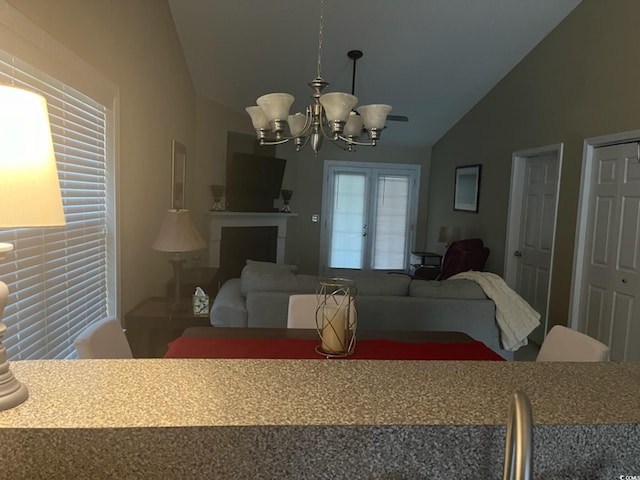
[
  {"x": 286, "y": 197},
  {"x": 217, "y": 191}
]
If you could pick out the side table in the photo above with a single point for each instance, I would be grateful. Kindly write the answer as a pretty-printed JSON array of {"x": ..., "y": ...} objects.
[
  {"x": 150, "y": 326},
  {"x": 425, "y": 261},
  {"x": 190, "y": 278}
]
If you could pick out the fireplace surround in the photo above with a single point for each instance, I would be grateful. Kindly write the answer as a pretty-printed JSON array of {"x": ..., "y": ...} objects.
[{"x": 220, "y": 220}]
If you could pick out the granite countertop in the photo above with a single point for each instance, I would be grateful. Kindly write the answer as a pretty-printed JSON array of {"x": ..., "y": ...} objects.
[{"x": 164, "y": 392}]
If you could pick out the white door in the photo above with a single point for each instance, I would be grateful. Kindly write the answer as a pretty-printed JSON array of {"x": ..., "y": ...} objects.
[
  {"x": 369, "y": 216},
  {"x": 348, "y": 218},
  {"x": 609, "y": 309},
  {"x": 533, "y": 217}
]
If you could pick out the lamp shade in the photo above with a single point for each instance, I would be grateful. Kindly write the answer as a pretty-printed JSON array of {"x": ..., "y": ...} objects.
[
  {"x": 296, "y": 123},
  {"x": 178, "y": 233},
  {"x": 276, "y": 105},
  {"x": 374, "y": 116},
  {"x": 337, "y": 105},
  {"x": 449, "y": 234},
  {"x": 29, "y": 186},
  {"x": 354, "y": 125},
  {"x": 258, "y": 118}
]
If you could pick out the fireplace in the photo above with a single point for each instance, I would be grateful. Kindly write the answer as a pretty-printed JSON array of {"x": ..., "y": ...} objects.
[
  {"x": 240, "y": 229},
  {"x": 239, "y": 243}
]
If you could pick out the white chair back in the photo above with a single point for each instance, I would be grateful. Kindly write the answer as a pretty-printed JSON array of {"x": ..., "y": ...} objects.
[
  {"x": 563, "y": 344},
  {"x": 103, "y": 339},
  {"x": 302, "y": 311}
]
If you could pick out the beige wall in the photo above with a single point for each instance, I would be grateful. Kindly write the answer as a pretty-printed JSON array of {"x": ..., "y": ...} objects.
[
  {"x": 135, "y": 45},
  {"x": 214, "y": 122},
  {"x": 304, "y": 176},
  {"x": 580, "y": 81}
]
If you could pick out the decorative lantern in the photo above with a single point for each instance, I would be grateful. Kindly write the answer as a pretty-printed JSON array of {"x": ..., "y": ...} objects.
[{"x": 336, "y": 317}]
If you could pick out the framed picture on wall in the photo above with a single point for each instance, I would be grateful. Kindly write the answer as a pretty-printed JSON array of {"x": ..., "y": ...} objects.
[
  {"x": 178, "y": 174},
  {"x": 467, "y": 188}
]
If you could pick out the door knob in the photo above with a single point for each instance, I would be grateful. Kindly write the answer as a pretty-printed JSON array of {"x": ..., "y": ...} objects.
[{"x": 517, "y": 253}]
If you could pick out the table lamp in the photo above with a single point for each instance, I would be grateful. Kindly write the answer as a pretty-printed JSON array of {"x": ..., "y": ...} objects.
[
  {"x": 177, "y": 235},
  {"x": 449, "y": 234},
  {"x": 29, "y": 194}
]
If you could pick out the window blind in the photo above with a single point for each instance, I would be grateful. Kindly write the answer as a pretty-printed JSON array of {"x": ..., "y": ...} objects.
[
  {"x": 348, "y": 219},
  {"x": 391, "y": 222},
  {"x": 58, "y": 278}
]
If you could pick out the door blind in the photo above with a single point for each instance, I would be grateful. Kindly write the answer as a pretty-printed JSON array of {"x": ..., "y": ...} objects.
[
  {"x": 348, "y": 219},
  {"x": 391, "y": 222},
  {"x": 58, "y": 277}
]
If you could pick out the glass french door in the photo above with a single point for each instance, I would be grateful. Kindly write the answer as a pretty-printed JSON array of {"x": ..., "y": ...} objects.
[{"x": 369, "y": 212}]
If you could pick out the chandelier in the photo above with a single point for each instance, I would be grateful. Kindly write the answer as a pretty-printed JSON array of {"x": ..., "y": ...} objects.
[{"x": 330, "y": 115}]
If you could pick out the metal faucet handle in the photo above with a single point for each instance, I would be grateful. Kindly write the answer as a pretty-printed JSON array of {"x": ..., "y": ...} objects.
[{"x": 518, "y": 454}]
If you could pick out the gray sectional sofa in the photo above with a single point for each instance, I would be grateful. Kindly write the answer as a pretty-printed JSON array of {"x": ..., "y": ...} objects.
[{"x": 260, "y": 298}]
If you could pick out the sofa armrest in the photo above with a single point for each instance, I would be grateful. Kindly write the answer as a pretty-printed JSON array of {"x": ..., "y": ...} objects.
[{"x": 228, "y": 309}]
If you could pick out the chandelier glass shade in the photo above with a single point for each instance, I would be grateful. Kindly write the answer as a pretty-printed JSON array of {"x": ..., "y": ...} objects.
[{"x": 330, "y": 115}]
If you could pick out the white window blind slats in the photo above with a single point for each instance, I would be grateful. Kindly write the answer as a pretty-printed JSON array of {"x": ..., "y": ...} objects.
[
  {"x": 79, "y": 213},
  {"x": 78, "y": 158},
  {"x": 76, "y": 305},
  {"x": 58, "y": 277},
  {"x": 79, "y": 146},
  {"x": 82, "y": 124},
  {"x": 88, "y": 165},
  {"x": 392, "y": 205},
  {"x": 65, "y": 106},
  {"x": 22, "y": 75},
  {"x": 76, "y": 265},
  {"x": 34, "y": 347}
]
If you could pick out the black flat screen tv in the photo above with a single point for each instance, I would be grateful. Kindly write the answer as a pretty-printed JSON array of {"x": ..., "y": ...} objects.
[{"x": 253, "y": 182}]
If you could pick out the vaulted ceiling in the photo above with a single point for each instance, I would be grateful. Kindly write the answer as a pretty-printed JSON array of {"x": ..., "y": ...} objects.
[{"x": 432, "y": 60}]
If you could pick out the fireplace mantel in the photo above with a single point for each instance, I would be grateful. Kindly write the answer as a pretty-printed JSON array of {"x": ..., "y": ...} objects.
[{"x": 220, "y": 220}]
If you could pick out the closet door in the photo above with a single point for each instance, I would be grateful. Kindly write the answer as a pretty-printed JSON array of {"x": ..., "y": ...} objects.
[{"x": 610, "y": 297}]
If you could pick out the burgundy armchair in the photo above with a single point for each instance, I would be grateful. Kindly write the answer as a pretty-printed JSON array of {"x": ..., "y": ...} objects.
[{"x": 461, "y": 256}]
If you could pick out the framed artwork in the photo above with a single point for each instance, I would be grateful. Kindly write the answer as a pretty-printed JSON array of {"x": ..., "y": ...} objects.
[
  {"x": 467, "y": 188},
  {"x": 178, "y": 174}
]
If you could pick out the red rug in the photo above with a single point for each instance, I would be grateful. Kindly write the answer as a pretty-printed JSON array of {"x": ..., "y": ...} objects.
[{"x": 288, "y": 348}]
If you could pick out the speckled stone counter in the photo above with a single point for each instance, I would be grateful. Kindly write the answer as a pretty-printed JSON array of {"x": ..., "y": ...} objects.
[{"x": 307, "y": 419}]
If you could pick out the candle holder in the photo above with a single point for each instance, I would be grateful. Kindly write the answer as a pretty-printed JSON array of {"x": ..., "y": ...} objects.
[
  {"x": 217, "y": 191},
  {"x": 336, "y": 317},
  {"x": 286, "y": 198}
]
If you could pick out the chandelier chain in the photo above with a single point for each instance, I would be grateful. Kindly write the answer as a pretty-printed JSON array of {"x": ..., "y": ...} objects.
[{"x": 320, "y": 34}]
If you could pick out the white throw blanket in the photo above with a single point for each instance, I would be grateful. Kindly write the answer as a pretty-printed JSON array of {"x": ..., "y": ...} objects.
[{"x": 514, "y": 315}]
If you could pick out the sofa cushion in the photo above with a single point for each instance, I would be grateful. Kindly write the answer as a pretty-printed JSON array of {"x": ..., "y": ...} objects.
[
  {"x": 258, "y": 266},
  {"x": 284, "y": 281},
  {"x": 382, "y": 284},
  {"x": 446, "y": 289}
]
